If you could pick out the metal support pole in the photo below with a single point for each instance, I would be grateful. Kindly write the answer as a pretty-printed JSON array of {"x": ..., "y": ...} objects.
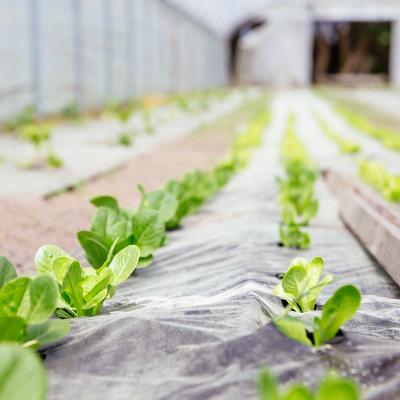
[
  {"x": 36, "y": 78},
  {"x": 78, "y": 51},
  {"x": 108, "y": 49}
]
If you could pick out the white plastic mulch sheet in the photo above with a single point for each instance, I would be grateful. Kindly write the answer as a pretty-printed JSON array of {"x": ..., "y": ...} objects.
[{"x": 196, "y": 324}]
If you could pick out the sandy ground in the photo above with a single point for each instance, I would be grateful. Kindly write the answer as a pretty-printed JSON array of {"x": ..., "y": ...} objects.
[{"x": 26, "y": 223}]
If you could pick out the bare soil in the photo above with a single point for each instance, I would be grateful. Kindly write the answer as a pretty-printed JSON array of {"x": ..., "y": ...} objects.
[{"x": 27, "y": 223}]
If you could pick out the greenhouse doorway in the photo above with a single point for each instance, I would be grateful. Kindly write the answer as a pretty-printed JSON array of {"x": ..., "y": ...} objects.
[
  {"x": 237, "y": 34},
  {"x": 351, "y": 52}
]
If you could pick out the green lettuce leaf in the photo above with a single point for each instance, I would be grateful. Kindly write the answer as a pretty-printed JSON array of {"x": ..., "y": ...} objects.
[
  {"x": 22, "y": 375},
  {"x": 340, "y": 308},
  {"x": 7, "y": 271}
]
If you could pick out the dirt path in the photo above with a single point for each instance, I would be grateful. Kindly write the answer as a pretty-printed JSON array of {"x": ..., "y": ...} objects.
[{"x": 26, "y": 224}]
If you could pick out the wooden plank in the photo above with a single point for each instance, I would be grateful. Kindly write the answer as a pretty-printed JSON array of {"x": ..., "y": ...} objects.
[{"x": 372, "y": 220}]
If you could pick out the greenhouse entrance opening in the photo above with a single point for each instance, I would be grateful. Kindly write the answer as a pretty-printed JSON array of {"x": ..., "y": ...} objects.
[
  {"x": 351, "y": 52},
  {"x": 238, "y": 33}
]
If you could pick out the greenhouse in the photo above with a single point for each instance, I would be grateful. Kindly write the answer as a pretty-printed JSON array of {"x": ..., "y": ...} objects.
[{"x": 200, "y": 200}]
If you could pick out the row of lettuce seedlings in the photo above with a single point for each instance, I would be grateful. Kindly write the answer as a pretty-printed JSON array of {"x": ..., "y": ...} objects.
[
  {"x": 119, "y": 241},
  {"x": 302, "y": 283},
  {"x": 37, "y": 131},
  {"x": 372, "y": 173}
]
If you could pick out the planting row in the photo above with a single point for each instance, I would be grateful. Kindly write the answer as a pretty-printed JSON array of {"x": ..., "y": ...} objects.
[
  {"x": 387, "y": 137},
  {"x": 371, "y": 172},
  {"x": 302, "y": 283},
  {"x": 37, "y": 131},
  {"x": 296, "y": 197}
]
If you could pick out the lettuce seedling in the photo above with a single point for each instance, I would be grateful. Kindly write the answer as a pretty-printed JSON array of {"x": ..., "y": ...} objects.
[
  {"x": 297, "y": 201},
  {"x": 121, "y": 111},
  {"x": 112, "y": 224},
  {"x": 25, "y": 117},
  {"x": 298, "y": 204},
  {"x": 225, "y": 170},
  {"x": 187, "y": 200},
  {"x": 331, "y": 387},
  {"x": 195, "y": 188},
  {"x": 84, "y": 290},
  {"x": 336, "y": 311},
  {"x": 293, "y": 236},
  {"x": 339, "y": 308},
  {"x": 163, "y": 201},
  {"x": 25, "y": 308},
  {"x": 302, "y": 283},
  {"x": 200, "y": 184},
  {"x": 53, "y": 160},
  {"x": 386, "y": 136},
  {"x": 72, "y": 112},
  {"x": 22, "y": 375},
  {"x": 345, "y": 146},
  {"x": 126, "y": 138},
  {"x": 376, "y": 175}
]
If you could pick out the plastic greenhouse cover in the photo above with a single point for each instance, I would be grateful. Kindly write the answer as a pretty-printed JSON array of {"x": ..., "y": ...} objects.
[{"x": 196, "y": 324}]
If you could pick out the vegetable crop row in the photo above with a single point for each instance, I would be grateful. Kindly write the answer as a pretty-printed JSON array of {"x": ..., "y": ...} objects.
[
  {"x": 345, "y": 146},
  {"x": 37, "y": 131},
  {"x": 302, "y": 321},
  {"x": 386, "y": 136},
  {"x": 119, "y": 241},
  {"x": 371, "y": 172},
  {"x": 376, "y": 175},
  {"x": 190, "y": 102},
  {"x": 296, "y": 197}
]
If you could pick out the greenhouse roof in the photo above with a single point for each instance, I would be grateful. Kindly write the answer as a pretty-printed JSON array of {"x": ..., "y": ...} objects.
[
  {"x": 223, "y": 16},
  {"x": 220, "y": 16}
]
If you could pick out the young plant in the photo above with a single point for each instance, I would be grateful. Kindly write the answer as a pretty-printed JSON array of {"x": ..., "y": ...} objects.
[
  {"x": 339, "y": 308},
  {"x": 345, "y": 146},
  {"x": 84, "y": 290},
  {"x": 163, "y": 201},
  {"x": 72, "y": 112},
  {"x": 119, "y": 227},
  {"x": 25, "y": 117},
  {"x": 22, "y": 375},
  {"x": 224, "y": 171},
  {"x": 297, "y": 201},
  {"x": 386, "y": 136},
  {"x": 296, "y": 197},
  {"x": 121, "y": 111},
  {"x": 53, "y": 160},
  {"x": 125, "y": 138},
  {"x": 190, "y": 192},
  {"x": 38, "y": 135},
  {"x": 26, "y": 305},
  {"x": 292, "y": 235},
  {"x": 187, "y": 201},
  {"x": 331, "y": 387},
  {"x": 302, "y": 283}
]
